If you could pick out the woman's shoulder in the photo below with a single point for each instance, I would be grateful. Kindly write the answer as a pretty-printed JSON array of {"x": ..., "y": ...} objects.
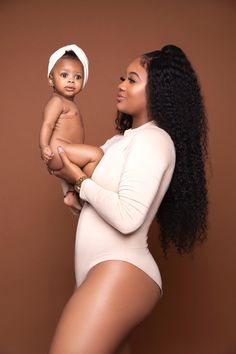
[
  {"x": 152, "y": 134},
  {"x": 154, "y": 142},
  {"x": 114, "y": 139}
]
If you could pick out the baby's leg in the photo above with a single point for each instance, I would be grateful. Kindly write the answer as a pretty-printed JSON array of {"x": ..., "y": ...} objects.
[
  {"x": 55, "y": 163},
  {"x": 85, "y": 156},
  {"x": 66, "y": 187},
  {"x": 71, "y": 198}
]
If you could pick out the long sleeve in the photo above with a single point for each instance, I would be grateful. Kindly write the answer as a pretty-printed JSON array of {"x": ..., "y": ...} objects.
[{"x": 149, "y": 155}]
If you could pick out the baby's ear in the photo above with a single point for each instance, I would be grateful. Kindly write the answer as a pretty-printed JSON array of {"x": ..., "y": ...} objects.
[{"x": 50, "y": 80}]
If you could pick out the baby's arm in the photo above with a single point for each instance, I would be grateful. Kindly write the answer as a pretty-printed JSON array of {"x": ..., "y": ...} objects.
[{"x": 51, "y": 113}]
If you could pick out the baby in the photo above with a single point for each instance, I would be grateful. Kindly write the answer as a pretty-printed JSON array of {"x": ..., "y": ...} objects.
[{"x": 62, "y": 122}]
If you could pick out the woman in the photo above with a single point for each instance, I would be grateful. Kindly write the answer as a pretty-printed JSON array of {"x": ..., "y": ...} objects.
[{"x": 154, "y": 166}]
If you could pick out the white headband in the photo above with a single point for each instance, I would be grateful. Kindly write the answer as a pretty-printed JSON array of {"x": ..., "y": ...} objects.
[{"x": 78, "y": 52}]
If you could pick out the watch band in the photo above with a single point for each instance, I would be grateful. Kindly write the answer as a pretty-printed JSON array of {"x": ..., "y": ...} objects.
[{"x": 78, "y": 183}]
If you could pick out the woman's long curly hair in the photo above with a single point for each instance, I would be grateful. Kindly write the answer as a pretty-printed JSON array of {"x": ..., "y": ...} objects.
[{"x": 176, "y": 104}]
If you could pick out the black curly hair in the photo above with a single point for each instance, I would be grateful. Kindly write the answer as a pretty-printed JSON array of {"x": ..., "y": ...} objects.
[{"x": 176, "y": 104}]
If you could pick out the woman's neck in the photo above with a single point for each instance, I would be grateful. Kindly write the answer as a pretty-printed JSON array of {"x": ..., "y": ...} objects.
[{"x": 138, "y": 121}]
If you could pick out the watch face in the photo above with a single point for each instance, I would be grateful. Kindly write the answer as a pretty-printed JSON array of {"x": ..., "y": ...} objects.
[{"x": 77, "y": 188}]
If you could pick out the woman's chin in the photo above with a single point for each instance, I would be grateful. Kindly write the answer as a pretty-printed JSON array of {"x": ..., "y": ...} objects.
[{"x": 121, "y": 109}]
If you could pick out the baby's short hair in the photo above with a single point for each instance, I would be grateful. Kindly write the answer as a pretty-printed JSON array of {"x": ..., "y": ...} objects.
[{"x": 70, "y": 54}]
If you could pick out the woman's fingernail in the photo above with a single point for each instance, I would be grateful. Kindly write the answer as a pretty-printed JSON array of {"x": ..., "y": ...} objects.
[{"x": 60, "y": 149}]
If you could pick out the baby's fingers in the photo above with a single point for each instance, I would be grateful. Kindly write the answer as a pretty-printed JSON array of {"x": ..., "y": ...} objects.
[
  {"x": 49, "y": 156},
  {"x": 46, "y": 158}
]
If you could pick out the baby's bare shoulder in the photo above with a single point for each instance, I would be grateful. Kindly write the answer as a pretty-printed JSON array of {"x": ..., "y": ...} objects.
[{"x": 54, "y": 101}]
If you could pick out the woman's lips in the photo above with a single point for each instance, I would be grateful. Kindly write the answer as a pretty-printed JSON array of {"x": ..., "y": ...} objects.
[{"x": 120, "y": 98}]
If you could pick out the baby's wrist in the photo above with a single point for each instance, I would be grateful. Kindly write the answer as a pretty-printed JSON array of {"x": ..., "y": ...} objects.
[{"x": 43, "y": 146}]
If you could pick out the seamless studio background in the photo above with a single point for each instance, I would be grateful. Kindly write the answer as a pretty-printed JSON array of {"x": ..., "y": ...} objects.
[{"x": 197, "y": 313}]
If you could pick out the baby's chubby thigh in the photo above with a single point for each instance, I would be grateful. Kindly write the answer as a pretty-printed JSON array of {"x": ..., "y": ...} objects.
[{"x": 55, "y": 163}]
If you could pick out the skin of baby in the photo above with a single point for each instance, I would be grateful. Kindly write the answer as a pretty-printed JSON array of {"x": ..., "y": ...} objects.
[
  {"x": 62, "y": 121},
  {"x": 63, "y": 125}
]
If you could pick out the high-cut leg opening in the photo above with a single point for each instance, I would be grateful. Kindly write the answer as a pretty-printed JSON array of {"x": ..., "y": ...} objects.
[{"x": 131, "y": 264}]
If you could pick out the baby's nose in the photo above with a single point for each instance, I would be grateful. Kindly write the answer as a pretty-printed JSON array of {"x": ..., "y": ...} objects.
[{"x": 70, "y": 78}]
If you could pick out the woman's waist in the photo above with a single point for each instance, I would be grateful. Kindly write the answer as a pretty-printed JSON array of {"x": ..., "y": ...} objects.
[
  {"x": 93, "y": 231},
  {"x": 102, "y": 243}
]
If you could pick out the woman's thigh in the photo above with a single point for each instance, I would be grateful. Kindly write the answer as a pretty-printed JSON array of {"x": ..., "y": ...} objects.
[{"x": 114, "y": 298}]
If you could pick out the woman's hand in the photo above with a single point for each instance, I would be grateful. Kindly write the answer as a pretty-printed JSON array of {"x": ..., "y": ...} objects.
[{"x": 70, "y": 172}]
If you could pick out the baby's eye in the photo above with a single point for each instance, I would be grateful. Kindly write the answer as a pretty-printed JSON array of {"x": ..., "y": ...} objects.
[
  {"x": 78, "y": 77},
  {"x": 63, "y": 75},
  {"x": 122, "y": 78}
]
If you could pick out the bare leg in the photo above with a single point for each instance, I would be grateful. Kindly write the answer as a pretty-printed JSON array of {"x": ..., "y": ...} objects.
[
  {"x": 124, "y": 348},
  {"x": 87, "y": 157},
  {"x": 114, "y": 298},
  {"x": 84, "y": 156},
  {"x": 65, "y": 186},
  {"x": 70, "y": 197}
]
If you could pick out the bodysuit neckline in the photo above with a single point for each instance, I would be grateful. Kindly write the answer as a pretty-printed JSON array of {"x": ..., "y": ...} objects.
[{"x": 133, "y": 130}]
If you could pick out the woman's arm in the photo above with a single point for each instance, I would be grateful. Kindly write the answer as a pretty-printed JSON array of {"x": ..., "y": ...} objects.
[{"x": 148, "y": 158}]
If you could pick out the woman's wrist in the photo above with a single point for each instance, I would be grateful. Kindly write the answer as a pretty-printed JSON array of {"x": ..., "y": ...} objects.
[{"x": 78, "y": 183}]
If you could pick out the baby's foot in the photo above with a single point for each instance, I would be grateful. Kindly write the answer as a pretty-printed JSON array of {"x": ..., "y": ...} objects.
[{"x": 72, "y": 201}]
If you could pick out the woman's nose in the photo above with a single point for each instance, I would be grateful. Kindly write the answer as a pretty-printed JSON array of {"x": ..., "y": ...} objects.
[{"x": 121, "y": 86}]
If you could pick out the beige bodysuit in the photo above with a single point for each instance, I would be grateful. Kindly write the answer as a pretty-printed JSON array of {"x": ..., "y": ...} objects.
[{"x": 122, "y": 199}]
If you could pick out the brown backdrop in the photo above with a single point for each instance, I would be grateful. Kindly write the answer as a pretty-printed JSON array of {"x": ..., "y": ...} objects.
[{"x": 197, "y": 313}]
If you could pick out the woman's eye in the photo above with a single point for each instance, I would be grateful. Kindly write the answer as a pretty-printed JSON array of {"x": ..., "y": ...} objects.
[
  {"x": 132, "y": 81},
  {"x": 122, "y": 78}
]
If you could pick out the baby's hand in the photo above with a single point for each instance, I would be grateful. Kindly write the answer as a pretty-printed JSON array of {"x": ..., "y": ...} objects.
[{"x": 46, "y": 153}]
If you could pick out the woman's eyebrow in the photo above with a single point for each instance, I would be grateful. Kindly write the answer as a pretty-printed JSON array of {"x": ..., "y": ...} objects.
[{"x": 134, "y": 73}]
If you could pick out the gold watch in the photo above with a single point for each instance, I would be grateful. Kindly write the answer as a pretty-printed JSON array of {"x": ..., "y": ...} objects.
[{"x": 78, "y": 183}]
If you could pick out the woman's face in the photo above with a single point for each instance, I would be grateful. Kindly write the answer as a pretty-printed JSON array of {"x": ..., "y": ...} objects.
[{"x": 131, "y": 98}]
